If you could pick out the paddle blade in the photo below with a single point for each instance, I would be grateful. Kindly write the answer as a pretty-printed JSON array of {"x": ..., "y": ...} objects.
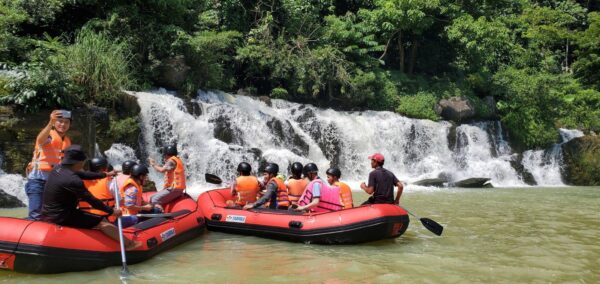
[
  {"x": 124, "y": 272},
  {"x": 432, "y": 226},
  {"x": 210, "y": 178}
]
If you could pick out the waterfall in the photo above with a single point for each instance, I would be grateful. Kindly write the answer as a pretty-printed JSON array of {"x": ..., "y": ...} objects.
[
  {"x": 232, "y": 129},
  {"x": 546, "y": 165},
  {"x": 13, "y": 184},
  {"x": 216, "y": 131}
]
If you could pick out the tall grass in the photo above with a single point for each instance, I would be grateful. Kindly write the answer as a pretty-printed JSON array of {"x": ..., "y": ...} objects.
[{"x": 98, "y": 67}]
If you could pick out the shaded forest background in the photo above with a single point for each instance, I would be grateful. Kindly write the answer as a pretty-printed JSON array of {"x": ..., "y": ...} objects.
[{"x": 538, "y": 60}]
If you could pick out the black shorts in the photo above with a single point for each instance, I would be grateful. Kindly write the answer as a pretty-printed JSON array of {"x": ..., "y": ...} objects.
[{"x": 80, "y": 219}]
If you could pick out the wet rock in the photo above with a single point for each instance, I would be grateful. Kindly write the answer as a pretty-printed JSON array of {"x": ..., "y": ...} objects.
[
  {"x": 581, "y": 157},
  {"x": 490, "y": 103},
  {"x": 9, "y": 201},
  {"x": 285, "y": 134},
  {"x": 457, "y": 109},
  {"x": 473, "y": 182},
  {"x": 193, "y": 107},
  {"x": 436, "y": 182},
  {"x": 224, "y": 130},
  {"x": 265, "y": 100},
  {"x": 526, "y": 176}
]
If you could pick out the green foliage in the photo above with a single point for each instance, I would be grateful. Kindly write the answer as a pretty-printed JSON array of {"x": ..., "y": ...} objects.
[
  {"x": 97, "y": 67},
  {"x": 531, "y": 103},
  {"x": 588, "y": 62},
  {"x": 420, "y": 105},
  {"x": 279, "y": 93},
  {"x": 124, "y": 130}
]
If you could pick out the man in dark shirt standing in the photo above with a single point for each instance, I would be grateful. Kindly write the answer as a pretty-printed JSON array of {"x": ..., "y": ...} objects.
[
  {"x": 62, "y": 193},
  {"x": 381, "y": 183}
]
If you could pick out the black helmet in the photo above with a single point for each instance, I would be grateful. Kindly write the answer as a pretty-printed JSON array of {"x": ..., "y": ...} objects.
[
  {"x": 127, "y": 166},
  {"x": 139, "y": 170},
  {"x": 244, "y": 168},
  {"x": 170, "y": 150},
  {"x": 296, "y": 168},
  {"x": 334, "y": 172},
  {"x": 310, "y": 168},
  {"x": 98, "y": 164},
  {"x": 271, "y": 168}
]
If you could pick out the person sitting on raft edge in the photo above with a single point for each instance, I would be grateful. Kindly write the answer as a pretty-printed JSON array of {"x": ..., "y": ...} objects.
[
  {"x": 381, "y": 183},
  {"x": 174, "y": 170},
  {"x": 64, "y": 188},
  {"x": 245, "y": 187},
  {"x": 318, "y": 196},
  {"x": 276, "y": 191}
]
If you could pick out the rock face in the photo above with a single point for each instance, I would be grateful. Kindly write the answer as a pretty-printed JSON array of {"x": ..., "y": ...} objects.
[
  {"x": 9, "y": 201},
  {"x": 437, "y": 182},
  {"x": 457, "y": 109},
  {"x": 473, "y": 182},
  {"x": 173, "y": 72},
  {"x": 581, "y": 157}
]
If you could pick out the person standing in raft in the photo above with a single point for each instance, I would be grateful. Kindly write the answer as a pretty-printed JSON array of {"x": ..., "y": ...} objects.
[
  {"x": 99, "y": 188},
  {"x": 318, "y": 196},
  {"x": 276, "y": 192},
  {"x": 49, "y": 146},
  {"x": 381, "y": 183},
  {"x": 62, "y": 193},
  {"x": 131, "y": 194},
  {"x": 296, "y": 184},
  {"x": 174, "y": 170},
  {"x": 333, "y": 178},
  {"x": 245, "y": 187}
]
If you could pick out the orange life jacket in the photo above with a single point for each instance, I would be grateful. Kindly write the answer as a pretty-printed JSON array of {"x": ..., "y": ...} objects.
[
  {"x": 175, "y": 178},
  {"x": 48, "y": 155},
  {"x": 282, "y": 194},
  {"x": 345, "y": 194},
  {"x": 138, "y": 197},
  {"x": 100, "y": 189},
  {"x": 247, "y": 188},
  {"x": 295, "y": 189}
]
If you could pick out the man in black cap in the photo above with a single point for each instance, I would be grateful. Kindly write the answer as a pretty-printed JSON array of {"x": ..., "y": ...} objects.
[{"x": 63, "y": 191}]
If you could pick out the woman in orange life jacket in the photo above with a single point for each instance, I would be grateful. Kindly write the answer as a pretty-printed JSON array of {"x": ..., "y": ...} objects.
[
  {"x": 131, "y": 193},
  {"x": 318, "y": 197},
  {"x": 99, "y": 188},
  {"x": 333, "y": 178},
  {"x": 296, "y": 184},
  {"x": 245, "y": 187},
  {"x": 276, "y": 192},
  {"x": 174, "y": 170},
  {"x": 49, "y": 146}
]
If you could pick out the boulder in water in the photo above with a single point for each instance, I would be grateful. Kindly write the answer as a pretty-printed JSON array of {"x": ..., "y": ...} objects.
[
  {"x": 437, "y": 182},
  {"x": 457, "y": 109},
  {"x": 473, "y": 182},
  {"x": 581, "y": 158},
  {"x": 9, "y": 201}
]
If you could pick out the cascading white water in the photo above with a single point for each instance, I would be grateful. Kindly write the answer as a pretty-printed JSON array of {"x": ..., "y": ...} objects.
[
  {"x": 285, "y": 132},
  {"x": 231, "y": 129},
  {"x": 13, "y": 184},
  {"x": 546, "y": 165}
]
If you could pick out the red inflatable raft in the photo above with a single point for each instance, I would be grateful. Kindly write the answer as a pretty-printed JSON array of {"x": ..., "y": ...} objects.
[
  {"x": 355, "y": 225},
  {"x": 40, "y": 247}
]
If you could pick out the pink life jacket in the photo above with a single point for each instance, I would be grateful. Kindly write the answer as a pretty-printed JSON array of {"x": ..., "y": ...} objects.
[{"x": 328, "y": 201}]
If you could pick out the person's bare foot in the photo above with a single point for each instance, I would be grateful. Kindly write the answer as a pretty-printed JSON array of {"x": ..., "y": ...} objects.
[{"x": 133, "y": 245}]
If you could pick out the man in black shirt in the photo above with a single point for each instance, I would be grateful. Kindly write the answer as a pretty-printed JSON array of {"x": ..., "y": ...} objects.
[
  {"x": 381, "y": 183},
  {"x": 63, "y": 191}
]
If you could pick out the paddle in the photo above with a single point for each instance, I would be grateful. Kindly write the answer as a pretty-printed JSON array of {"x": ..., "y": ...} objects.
[
  {"x": 157, "y": 215},
  {"x": 124, "y": 270},
  {"x": 429, "y": 224},
  {"x": 210, "y": 178}
]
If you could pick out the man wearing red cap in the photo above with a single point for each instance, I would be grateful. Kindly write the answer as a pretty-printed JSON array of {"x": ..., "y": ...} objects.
[{"x": 381, "y": 183}]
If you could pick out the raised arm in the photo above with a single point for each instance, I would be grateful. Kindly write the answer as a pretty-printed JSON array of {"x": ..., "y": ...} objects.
[{"x": 45, "y": 132}]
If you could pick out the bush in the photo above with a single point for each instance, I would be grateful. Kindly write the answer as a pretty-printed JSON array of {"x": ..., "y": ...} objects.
[
  {"x": 279, "y": 93},
  {"x": 421, "y": 105},
  {"x": 98, "y": 67}
]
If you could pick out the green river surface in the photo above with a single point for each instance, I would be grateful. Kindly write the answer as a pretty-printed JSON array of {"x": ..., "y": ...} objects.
[{"x": 498, "y": 235}]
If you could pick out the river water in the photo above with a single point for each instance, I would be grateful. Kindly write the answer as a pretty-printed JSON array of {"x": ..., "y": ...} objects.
[{"x": 498, "y": 235}]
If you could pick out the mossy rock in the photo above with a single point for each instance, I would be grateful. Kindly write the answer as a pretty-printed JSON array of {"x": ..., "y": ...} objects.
[{"x": 582, "y": 161}]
